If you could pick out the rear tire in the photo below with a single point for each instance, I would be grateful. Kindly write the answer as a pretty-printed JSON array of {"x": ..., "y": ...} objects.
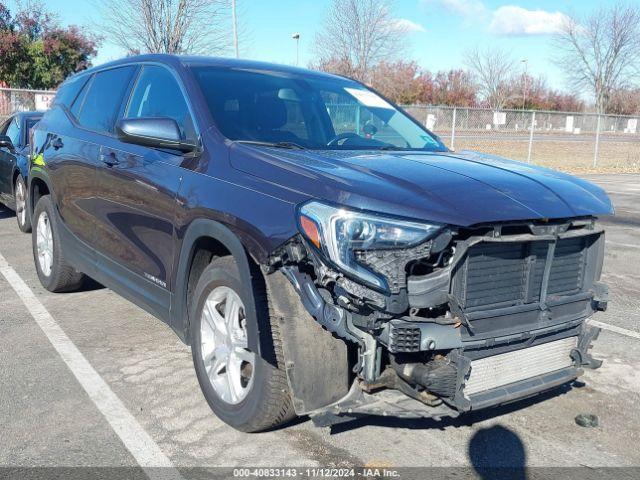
[
  {"x": 55, "y": 274},
  {"x": 247, "y": 390},
  {"x": 22, "y": 212}
]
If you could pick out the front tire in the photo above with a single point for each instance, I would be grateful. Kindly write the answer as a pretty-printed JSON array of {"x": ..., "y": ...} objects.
[
  {"x": 247, "y": 390},
  {"x": 22, "y": 212},
  {"x": 54, "y": 272}
]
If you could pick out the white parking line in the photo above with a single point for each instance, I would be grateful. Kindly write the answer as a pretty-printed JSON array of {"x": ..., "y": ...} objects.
[
  {"x": 621, "y": 276},
  {"x": 633, "y": 193},
  {"x": 146, "y": 452},
  {"x": 620, "y": 180},
  {"x": 613, "y": 328},
  {"x": 627, "y": 245}
]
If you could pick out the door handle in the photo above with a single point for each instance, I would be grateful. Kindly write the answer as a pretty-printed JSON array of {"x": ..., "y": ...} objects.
[
  {"x": 57, "y": 144},
  {"x": 109, "y": 160}
]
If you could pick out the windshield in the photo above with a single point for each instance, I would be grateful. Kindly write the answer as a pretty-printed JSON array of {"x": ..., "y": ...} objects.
[{"x": 288, "y": 109}]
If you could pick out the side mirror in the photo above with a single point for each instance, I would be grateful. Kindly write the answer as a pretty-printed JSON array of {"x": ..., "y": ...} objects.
[
  {"x": 5, "y": 142},
  {"x": 157, "y": 132}
]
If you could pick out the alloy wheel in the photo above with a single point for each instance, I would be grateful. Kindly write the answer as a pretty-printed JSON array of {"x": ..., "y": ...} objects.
[
  {"x": 21, "y": 207},
  {"x": 228, "y": 361},
  {"x": 44, "y": 244}
]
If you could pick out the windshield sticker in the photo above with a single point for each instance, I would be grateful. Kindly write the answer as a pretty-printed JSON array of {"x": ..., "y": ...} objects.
[{"x": 369, "y": 99}]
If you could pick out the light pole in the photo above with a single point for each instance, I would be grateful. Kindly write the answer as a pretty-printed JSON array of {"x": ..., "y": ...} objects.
[
  {"x": 235, "y": 28},
  {"x": 296, "y": 37},
  {"x": 524, "y": 87}
]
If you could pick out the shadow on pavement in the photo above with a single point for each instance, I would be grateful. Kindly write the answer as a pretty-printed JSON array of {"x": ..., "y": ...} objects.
[
  {"x": 6, "y": 213},
  {"x": 497, "y": 453},
  {"x": 90, "y": 285}
]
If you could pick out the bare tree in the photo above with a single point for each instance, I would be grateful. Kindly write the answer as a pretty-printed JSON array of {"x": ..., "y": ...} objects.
[
  {"x": 601, "y": 53},
  {"x": 359, "y": 34},
  {"x": 493, "y": 71},
  {"x": 168, "y": 26}
]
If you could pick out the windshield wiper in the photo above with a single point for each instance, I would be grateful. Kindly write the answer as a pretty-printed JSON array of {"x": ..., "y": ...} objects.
[{"x": 289, "y": 145}]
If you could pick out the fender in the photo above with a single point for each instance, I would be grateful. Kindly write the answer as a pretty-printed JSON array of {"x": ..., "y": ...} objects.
[
  {"x": 19, "y": 169},
  {"x": 22, "y": 166},
  {"x": 11, "y": 203},
  {"x": 14, "y": 174},
  {"x": 179, "y": 307}
]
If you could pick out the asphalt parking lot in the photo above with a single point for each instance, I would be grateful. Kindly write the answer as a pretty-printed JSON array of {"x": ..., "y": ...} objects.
[{"x": 149, "y": 411}]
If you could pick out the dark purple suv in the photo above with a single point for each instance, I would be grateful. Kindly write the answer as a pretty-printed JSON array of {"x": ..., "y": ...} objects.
[{"x": 320, "y": 251}]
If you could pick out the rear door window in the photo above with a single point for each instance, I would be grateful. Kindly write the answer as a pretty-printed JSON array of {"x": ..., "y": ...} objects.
[
  {"x": 69, "y": 91},
  {"x": 157, "y": 94},
  {"x": 104, "y": 98},
  {"x": 13, "y": 132},
  {"x": 79, "y": 100}
]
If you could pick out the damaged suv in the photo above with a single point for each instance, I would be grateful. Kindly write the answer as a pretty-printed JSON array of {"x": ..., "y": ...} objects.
[{"x": 321, "y": 252}]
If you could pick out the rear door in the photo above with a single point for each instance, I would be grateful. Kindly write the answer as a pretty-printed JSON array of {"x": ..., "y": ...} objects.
[
  {"x": 73, "y": 150},
  {"x": 8, "y": 160},
  {"x": 136, "y": 193},
  {"x": 28, "y": 124}
]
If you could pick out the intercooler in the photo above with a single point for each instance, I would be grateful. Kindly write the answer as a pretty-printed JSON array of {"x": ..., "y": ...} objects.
[{"x": 507, "y": 368}]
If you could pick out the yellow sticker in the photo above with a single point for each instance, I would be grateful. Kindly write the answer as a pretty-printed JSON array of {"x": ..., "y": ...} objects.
[{"x": 38, "y": 160}]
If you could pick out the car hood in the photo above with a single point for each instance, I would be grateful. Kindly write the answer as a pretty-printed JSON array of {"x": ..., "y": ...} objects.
[{"x": 464, "y": 188}]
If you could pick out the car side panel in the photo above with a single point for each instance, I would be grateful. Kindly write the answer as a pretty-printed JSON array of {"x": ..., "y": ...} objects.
[
  {"x": 23, "y": 159},
  {"x": 237, "y": 214},
  {"x": 79, "y": 248},
  {"x": 12, "y": 163},
  {"x": 7, "y": 163},
  {"x": 7, "y": 167}
]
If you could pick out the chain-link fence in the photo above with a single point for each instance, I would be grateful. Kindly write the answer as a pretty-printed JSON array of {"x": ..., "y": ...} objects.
[
  {"x": 20, "y": 100},
  {"x": 565, "y": 141},
  {"x": 574, "y": 142}
]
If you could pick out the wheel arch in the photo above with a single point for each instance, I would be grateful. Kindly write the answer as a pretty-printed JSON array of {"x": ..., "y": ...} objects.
[
  {"x": 37, "y": 187},
  {"x": 20, "y": 168},
  {"x": 219, "y": 240},
  {"x": 14, "y": 178}
]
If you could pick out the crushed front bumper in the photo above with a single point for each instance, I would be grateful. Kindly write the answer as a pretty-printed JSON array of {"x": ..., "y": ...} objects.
[
  {"x": 549, "y": 360},
  {"x": 512, "y": 306}
]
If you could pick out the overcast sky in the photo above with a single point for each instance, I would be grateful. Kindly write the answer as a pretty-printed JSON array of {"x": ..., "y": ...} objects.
[{"x": 441, "y": 30}]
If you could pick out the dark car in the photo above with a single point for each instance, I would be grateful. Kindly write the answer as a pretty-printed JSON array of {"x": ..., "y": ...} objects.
[
  {"x": 14, "y": 164},
  {"x": 320, "y": 251}
]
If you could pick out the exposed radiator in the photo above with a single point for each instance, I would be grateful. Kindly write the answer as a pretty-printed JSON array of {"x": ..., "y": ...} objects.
[
  {"x": 506, "y": 368},
  {"x": 568, "y": 267},
  {"x": 511, "y": 273}
]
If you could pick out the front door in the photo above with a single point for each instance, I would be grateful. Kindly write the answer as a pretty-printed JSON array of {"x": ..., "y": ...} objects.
[
  {"x": 135, "y": 208},
  {"x": 136, "y": 194}
]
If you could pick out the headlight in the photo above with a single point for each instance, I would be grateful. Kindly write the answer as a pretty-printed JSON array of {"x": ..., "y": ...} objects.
[{"x": 339, "y": 233}]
